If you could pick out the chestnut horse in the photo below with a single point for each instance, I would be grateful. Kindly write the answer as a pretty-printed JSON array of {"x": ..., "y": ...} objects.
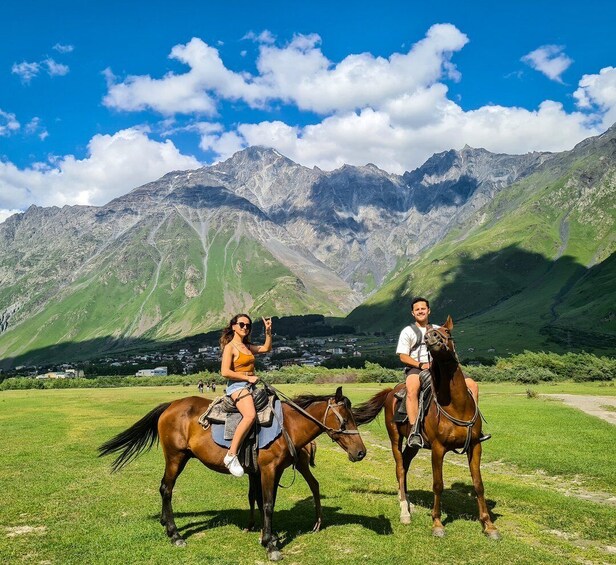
[
  {"x": 176, "y": 426},
  {"x": 452, "y": 422}
]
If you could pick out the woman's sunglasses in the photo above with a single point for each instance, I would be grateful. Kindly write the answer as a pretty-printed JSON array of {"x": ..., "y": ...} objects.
[{"x": 243, "y": 325}]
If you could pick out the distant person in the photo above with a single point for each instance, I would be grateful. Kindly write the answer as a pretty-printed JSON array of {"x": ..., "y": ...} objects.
[
  {"x": 238, "y": 366},
  {"x": 200, "y": 386},
  {"x": 413, "y": 352},
  {"x": 213, "y": 386}
]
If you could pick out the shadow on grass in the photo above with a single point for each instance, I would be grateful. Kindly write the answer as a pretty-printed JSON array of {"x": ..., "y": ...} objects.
[
  {"x": 458, "y": 502},
  {"x": 290, "y": 523}
]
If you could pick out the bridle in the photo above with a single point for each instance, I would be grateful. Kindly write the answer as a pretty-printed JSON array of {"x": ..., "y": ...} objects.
[
  {"x": 331, "y": 406},
  {"x": 331, "y": 432},
  {"x": 444, "y": 341}
]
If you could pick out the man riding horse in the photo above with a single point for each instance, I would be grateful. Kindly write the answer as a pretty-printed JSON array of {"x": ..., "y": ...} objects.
[{"x": 413, "y": 352}]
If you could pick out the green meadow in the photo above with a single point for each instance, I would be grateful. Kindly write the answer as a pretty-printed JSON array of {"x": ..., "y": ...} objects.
[{"x": 549, "y": 474}]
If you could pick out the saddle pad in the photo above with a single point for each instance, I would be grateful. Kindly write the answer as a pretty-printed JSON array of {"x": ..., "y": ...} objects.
[{"x": 266, "y": 435}]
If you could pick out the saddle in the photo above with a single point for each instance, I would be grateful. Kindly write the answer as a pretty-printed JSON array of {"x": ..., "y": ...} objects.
[
  {"x": 425, "y": 398},
  {"x": 224, "y": 411}
]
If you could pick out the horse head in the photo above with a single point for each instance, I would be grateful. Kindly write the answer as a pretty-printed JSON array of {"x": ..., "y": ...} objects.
[
  {"x": 342, "y": 427},
  {"x": 439, "y": 341}
]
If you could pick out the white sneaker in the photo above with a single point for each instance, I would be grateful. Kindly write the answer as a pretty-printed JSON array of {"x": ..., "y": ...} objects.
[{"x": 232, "y": 463}]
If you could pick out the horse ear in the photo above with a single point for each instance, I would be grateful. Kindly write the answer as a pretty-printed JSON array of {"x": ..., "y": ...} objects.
[
  {"x": 449, "y": 323},
  {"x": 339, "y": 394}
]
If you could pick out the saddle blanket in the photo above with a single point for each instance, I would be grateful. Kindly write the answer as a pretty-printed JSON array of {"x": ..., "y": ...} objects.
[{"x": 266, "y": 434}]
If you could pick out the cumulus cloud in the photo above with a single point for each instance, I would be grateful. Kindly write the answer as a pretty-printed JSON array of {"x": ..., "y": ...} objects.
[
  {"x": 60, "y": 48},
  {"x": 27, "y": 71},
  {"x": 598, "y": 92},
  {"x": 392, "y": 111},
  {"x": 376, "y": 136},
  {"x": 8, "y": 123},
  {"x": 114, "y": 165},
  {"x": 4, "y": 214},
  {"x": 35, "y": 127},
  {"x": 191, "y": 92},
  {"x": 265, "y": 36},
  {"x": 55, "y": 69},
  {"x": 549, "y": 60},
  {"x": 298, "y": 73}
]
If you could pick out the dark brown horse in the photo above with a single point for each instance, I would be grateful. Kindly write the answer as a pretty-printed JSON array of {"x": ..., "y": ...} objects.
[
  {"x": 451, "y": 423},
  {"x": 176, "y": 426},
  {"x": 305, "y": 460}
]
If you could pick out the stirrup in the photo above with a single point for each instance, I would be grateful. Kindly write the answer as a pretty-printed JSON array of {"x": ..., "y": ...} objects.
[
  {"x": 415, "y": 440},
  {"x": 484, "y": 437}
]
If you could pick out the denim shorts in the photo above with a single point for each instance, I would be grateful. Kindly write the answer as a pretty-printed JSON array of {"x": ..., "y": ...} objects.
[{"x": 234, "y": 386}]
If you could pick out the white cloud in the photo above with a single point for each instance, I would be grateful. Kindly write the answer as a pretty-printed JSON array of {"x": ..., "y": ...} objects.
[
  {"x": 26, "y": 71},
  {"x": 4, "y": 214},
  {"x": 8, "y": 123},
  {"x": 34, "y": 127},
  {"x": 298, "y": 73},
  {"x": 54, "y": 68},
  {"x": 115, "y": 164},
  {"x": 598, "y": 92},
  {"x": 549, "y": 60},
  {"x": 265, "y": 36},
  {"x": 185, "y": 93},
  {"x": 60, "y": 48},
  {"x": 409, "y": 131}
]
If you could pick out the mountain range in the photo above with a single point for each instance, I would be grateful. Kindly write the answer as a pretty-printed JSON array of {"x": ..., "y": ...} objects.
[{"x": 518, "y": 248}]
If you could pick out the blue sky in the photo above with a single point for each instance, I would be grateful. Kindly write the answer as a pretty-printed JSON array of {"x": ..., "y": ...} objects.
[{"x": 97, "y": 98}]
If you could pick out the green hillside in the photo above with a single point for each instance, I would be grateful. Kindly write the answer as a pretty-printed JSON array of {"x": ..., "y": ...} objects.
[
  {"x": 534, "y": 270},
  {"x": 161, "y": 283}
]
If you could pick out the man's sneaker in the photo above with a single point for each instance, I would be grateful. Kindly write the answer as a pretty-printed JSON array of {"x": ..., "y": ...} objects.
[
  {"x": 231, "y": 462},
  {"x": 415, "y": 440},
  {"x": 484, "y": 437}
]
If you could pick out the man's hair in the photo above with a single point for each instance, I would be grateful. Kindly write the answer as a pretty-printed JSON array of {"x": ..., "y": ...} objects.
[{"x": 420, "y": 299}]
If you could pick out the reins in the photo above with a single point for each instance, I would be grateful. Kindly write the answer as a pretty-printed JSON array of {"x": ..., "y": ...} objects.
[
  {"x": 468, "y": 424},
  {"x": 327, "y": 429},
  {"x": 322, "y": 425}
]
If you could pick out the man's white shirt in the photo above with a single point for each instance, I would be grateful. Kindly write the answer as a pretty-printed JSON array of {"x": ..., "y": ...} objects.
[{"x": 407, "y": 341}]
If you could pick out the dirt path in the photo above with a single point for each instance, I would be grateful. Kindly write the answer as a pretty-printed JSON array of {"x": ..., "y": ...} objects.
[{"x": 593, "y": 405}]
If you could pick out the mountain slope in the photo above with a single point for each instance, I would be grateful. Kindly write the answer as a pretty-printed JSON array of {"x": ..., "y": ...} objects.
[{"x": 533, "y": 269}]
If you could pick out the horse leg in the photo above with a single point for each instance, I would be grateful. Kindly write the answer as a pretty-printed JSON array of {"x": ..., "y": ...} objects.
[
  {"x": 303, "y": 466},
  {"x": 438, "y": 453},
  {"x": 254, "y": 491},
  {"x": 174, "y": 465},
  {"x": 402, "y": 460},
  {"x": 474, "y": 464},
  {"x": 268, "y": 486}
]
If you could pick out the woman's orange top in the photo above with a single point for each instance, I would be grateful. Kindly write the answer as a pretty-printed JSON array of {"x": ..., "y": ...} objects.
[{"x": 244, "y": 363}]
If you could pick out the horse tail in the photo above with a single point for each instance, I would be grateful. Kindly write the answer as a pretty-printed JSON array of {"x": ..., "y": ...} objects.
[
  {"x": 132, "y": 442},
  {"x": 369, "y": 410}
]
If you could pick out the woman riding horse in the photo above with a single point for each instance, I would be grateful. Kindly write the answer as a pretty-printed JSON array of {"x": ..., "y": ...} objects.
[{"x": 176, "y": 426}]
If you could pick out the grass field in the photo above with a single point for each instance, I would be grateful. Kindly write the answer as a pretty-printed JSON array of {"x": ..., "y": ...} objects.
[{"x": 549, "y": 474}]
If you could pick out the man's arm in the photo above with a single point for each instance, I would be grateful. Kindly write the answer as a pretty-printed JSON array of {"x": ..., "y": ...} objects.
[{"x": 408, "y": 360}]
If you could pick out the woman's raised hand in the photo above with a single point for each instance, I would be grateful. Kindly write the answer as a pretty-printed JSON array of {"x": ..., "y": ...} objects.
[{"x": 267, "y": 322}]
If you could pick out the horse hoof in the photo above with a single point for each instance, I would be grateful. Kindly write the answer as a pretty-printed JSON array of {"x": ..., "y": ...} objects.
[
  {"x": 438, "y": 532},
  {"x": 274, "y": 555},
  {"x": 493, "y": 534},
  {"x": 405, "y": 519},
  {"x": 179, "y": 542}
]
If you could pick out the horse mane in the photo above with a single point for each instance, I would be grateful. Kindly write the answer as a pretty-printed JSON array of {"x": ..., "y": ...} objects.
[{"x": 305, "y": 400}]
